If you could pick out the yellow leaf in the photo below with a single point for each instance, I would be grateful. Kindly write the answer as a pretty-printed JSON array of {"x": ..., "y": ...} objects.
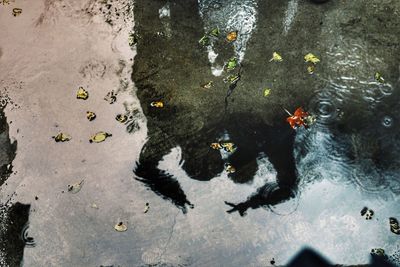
[
  {"x": 311, "y": 58},
  {"x": 276, "y": 57},
  {"x": 82, "y": 94},
  {"x": 157, "y": 104},
  {"x": 310, "y": 69},
  {"x": 232, "y": 36},
  {"x": 267, "y": 91}
]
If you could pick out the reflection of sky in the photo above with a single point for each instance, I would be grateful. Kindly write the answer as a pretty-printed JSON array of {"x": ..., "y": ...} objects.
[
  {"x": 327, "y": 218},
  {"x": 235, "y": 15}
]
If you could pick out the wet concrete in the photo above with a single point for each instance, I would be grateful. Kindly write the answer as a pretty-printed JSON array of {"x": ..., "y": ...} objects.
[
  {"x": 14, "y": 216},
  {"x": 291, "y": 188}
]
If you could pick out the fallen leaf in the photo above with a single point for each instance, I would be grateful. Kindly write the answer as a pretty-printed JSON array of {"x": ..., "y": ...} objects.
[
  {"x": 157, "y": 104},
  {"x": 310, "y": 69},
  {"x": 82, "y": 94},
  {"x": 311, "y": 58},
  {"x": 232, "y": 63},
  {"x": 232, "y": 36},
  {"x": 99, "y": 137},
  {"x": 276, "y": 57},
  {"x": 76, "y": 187},
  {"x": 379, "y": 77},
  {"x": 214, "y": 32},
  {"x": 207, "y": 85},
  {"x": 146, "y": 208},
  {"x": 90, "y": 115},
  {"x": 61, "y": 137},
  {"x": 120, "y": 227},
  {"x": 267, "y": 91}
]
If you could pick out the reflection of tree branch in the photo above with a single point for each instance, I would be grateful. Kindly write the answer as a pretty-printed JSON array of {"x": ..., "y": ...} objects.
[{"x": 162, "y": 184}]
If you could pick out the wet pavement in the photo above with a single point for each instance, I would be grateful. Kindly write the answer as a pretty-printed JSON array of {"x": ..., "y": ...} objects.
[{"x": 332, "y": 187}]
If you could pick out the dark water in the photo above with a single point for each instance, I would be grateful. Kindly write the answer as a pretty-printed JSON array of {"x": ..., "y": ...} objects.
[{"x": 322, "y": 176}]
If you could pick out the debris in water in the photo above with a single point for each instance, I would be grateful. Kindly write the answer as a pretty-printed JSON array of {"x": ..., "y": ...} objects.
[
  {"x": 16, "y": 11},
  {"x": 204, "y": 41},
  {"x": 61, "y": 137},
  {"x": 76, "y": 187},
  {"x": 272, "y": 261},
  {"x": 214, "y": 32},
  {"x": 99, "y": 137},
  {"x": 121, "y": 118},
  {"x": 111, "y": 97},
  {"x": 229, "y": 168},
  {"x": 216, "y": 146},
  {"x": 298, "y": 119},
  {"x": 311, "y": 69},
  {"x": 157, "y": 104},
  {"x": 232, "y": 63},
  {"x": 90, "y": 115},
  {"x": 267, "y": 91},
  {"x": 379, "y": 77},
  {"x": 380, "y": 252},
  {"x": 5, "y": 2},
  {"x": 132, "y": 40},
  {"x": 311, "y": 58},
  {"x": 232, "y": 79},
  {"x": 394, "y": 226},
  {"x": 82, "y": 94},
  {"x": 232, "y": 36},
  {"x": 146, "y": 208},
  {"x": 228, "y": 147},
  {"x": 367, "y": 213},
  {"x": 207, "y": 85},
  {"x": 310, "y": 120},
  {"x": 120, "y": 227},
  {"x": 94, "y": 206},
  {"x": 276, "y": 57}
]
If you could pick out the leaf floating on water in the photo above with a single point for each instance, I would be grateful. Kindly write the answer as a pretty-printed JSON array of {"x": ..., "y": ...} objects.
[
  {"x": 267, "y": 91},
  {"x": 207, "y": 85},
  {"x": 120, "y": 227},
  {"x": 232, "y": 36},
  {"x": 232, "y": 63},
  {"x": 204, "y": 41},
  {"x": 111, "y": 97},
  {"x": 311, "y": 69},
  {"x": 311, "y": 58},
  {"x": 76, "y": 187},
  {"x": 121, "y": 118},
  {"x": 62, "y": 137},
  {"x": 146, "y": 208},
  {"x": 214, "y": 32},
  {"x": 379, "y": 77},
  {"x": 157, "y": 104},
  {"x": 232, "y": 79},
  {"x": 90, "y": 115},
  {"x": 229, "y": 168},
  {"x": 216, "y": 146},
  {"x": 99, "y": 137},
  {"x": 394, "y": 226},
  {"x": 228, "y": 147},
  {"x": 82, "y": 94},
  {"x": 276, "y": 57}
]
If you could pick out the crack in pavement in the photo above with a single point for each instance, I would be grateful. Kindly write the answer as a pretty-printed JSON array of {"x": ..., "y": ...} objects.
[{"x": 169, "y": 238}]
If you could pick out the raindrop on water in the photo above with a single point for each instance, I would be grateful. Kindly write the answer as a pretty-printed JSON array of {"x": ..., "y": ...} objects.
[{"x": 387, "y": 121}]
